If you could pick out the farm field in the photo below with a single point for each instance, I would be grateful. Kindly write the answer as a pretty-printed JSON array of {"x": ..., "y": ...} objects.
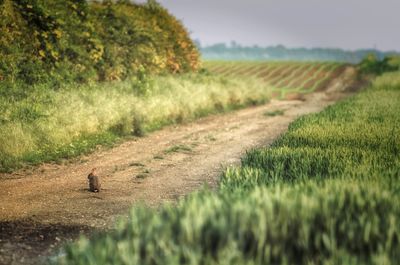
[
  {"x": 164, "y": 165},
  {"x": 286, "y": 79},
  {"x": 146, "y": 132},
  {"x": 326, "y": 192}
]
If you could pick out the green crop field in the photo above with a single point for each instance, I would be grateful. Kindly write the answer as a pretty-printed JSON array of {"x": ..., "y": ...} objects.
[
  {"x": 284, "y": 78},
  {"x": 326, "y": 192}
]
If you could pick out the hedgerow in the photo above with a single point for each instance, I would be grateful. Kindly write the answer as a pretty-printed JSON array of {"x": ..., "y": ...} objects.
[{"x": 61, "y": 41}]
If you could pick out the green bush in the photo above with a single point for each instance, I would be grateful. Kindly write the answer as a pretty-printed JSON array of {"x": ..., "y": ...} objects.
[{"x": 371, "y": 64}]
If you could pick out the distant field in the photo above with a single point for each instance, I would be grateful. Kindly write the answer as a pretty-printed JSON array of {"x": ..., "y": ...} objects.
[{"x": 286, "y": 79}]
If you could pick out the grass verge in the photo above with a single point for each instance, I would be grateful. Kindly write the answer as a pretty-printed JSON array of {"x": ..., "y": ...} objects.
[
  {"x": 327, "y": 192},
  {"x": 49, "y": 125}
]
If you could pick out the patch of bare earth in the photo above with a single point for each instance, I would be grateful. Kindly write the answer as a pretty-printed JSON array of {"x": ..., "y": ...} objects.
[{"x": 44, "y": 207}]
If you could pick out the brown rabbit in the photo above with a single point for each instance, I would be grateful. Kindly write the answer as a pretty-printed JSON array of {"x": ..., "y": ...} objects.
[{"x": 94, "y": 182}]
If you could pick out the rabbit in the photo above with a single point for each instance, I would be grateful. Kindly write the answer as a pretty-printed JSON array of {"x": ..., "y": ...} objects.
[{"x": 94, "y": 181}]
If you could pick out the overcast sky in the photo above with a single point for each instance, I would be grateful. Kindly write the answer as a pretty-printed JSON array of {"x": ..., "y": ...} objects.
[{"x": 348, "y": 24}]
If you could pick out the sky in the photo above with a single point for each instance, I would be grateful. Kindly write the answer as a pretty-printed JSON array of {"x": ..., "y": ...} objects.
[{"x": 347, "y": 24}]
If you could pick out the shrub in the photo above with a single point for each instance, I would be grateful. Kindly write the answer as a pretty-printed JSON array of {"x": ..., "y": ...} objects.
[{"x": 372, "y": 65}]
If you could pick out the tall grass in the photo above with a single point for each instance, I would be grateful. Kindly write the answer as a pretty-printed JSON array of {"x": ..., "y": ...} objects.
[
  {"x": 327, "y": 192},
  {"x": 50, "y": 125}
]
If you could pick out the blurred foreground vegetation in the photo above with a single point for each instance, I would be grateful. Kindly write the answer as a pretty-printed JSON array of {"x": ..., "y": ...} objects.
[{"x": 326, "y": 192}]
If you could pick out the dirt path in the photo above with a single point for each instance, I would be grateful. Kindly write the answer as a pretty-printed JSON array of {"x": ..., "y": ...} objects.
[{"x": 43, "y": 207}]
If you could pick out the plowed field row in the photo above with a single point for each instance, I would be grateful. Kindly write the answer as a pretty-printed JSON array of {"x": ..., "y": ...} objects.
[{"x": 285, "y": 78}]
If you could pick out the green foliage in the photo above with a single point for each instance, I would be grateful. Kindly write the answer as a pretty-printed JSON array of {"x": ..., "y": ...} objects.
[
  {"x": 75, "y": 41},
  {"x": 393, "y": 63},
  {"x": 327, "y": 192},
  {"x": 372, "y": 65}
]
